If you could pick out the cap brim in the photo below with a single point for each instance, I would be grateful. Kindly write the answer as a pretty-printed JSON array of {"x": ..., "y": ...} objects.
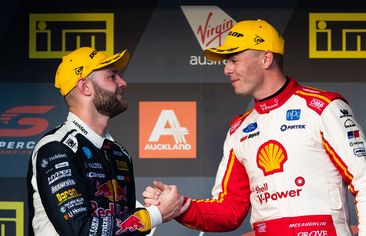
[
  {"x": 118, "y": 61},
  {"x": 220, "y": 53}
]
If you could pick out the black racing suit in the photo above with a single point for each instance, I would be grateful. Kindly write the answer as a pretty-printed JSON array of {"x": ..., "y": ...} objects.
[{"x": 83, "y": 184}]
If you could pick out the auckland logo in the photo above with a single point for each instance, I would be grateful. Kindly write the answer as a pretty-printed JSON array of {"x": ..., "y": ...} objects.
[
  {"x": 167, "y": 129},
  {"x": 168, "y": 118},
  {"x": 210, "y": 25}
]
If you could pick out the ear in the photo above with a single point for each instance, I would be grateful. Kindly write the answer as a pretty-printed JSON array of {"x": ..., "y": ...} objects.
[
  {"x": 267, "y": 59},
  {"x": 85, "y": 87}
]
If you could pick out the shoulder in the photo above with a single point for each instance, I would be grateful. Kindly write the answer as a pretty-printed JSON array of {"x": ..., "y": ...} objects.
[
  {"x": 58, "y": 139},
  {"x": 317, "y": 99},
  {"x": 238, "y": 120}
]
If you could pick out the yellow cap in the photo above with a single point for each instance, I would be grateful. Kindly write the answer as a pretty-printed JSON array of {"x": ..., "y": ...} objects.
[
  {"x": 81, "y": 62},
  {"x": 248, "y": 34}
]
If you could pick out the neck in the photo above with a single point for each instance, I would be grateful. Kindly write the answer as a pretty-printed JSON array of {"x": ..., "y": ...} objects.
[
  {"x": 278, "y": 91},
  {"x": 270, "y": 86},
  {"x": 97, "y": 122}
]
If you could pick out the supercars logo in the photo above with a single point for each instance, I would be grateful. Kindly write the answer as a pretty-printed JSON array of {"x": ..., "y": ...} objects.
[
  {"x": 21, "y": 122},
  {"x": 55, "y": 34},
  {"x": 337, "y": 35},
  {"x": 167, "y": 129},
  {"x": 271, "y": 157},
  {"x": 30, "y": 126}
]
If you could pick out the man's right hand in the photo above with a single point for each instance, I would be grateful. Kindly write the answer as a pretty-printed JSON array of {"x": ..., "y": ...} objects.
[{"x": 167, "y": 198}]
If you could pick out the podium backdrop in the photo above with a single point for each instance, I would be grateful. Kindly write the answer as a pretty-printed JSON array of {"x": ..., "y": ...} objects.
[{"x": 168, "y": 79}]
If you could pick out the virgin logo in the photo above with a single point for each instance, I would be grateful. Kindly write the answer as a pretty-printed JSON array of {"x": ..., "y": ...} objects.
[
  {"x": 22, "y": 116},
  {"x": 211, "y": 32}
]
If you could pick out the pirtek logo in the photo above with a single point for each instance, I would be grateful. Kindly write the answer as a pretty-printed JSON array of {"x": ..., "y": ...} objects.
[{"x": 29, "y": 126}]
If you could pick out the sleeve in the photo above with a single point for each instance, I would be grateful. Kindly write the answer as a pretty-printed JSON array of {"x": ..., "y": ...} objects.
[
  {"x": 344, "y": 142},
  {"x": 64, "y": 196},
  {"x": 230, "y": 201}
]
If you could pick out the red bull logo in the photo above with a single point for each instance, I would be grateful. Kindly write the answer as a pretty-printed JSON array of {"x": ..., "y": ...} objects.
[
  {"x": 112, "y": 191},
  {"x": 132, "y": 223},
  {"x": 101, "y": 212}
]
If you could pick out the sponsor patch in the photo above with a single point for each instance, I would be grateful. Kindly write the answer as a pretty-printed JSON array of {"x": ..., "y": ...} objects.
[
  {"x": 63, "y": 184},
  {"x": 59, "y": 175},
  {"x": 251, "y": 127},
  {"x": 293, "y": 114}
]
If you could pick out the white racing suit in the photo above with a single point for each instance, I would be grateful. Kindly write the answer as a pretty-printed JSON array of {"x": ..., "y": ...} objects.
[{"x": 291, "y": 159}]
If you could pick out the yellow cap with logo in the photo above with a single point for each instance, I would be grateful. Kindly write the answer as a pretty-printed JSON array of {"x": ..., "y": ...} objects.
[
  {"x": 248, "y": 34},
  {"x": 81, "y": 62}
]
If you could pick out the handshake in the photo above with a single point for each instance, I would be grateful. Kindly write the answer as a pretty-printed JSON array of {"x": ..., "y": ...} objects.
[{"x": 167, "y": 199}]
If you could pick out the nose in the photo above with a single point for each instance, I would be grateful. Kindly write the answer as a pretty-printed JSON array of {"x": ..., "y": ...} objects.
[
  {"x": 228, "y": 69},
  {"x": 121, "y": 82}
]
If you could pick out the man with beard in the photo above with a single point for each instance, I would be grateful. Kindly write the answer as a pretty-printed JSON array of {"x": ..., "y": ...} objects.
[{"x": 80, "y": 181}]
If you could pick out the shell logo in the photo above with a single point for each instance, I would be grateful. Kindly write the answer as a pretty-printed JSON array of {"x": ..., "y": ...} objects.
[{"x": 270, "y": 157}]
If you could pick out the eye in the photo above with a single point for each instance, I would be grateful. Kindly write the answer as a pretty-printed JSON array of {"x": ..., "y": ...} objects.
[
  {"x": 112, "y": 76},
  {"x": 233, "y": 60}
]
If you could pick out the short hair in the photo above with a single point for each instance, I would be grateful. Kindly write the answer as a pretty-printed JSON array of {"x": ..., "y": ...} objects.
[
  {"x": 278, "y": 58},
  {"x": 71, "y": 96}
]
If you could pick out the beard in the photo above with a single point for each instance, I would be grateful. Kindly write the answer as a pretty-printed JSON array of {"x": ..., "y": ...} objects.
[{"x": 109, "y": 103}]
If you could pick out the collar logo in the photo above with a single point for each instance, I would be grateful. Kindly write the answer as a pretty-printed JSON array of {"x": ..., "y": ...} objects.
[{"x": 271, "y": 157}]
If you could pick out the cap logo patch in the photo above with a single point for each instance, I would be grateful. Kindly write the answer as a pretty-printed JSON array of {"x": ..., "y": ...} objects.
[
  {"x": 258, "y": 40},
  {"x": 79, "y": 70},
  {"x": 236, "y": 34},
  {"x": 91, "y": 55}
]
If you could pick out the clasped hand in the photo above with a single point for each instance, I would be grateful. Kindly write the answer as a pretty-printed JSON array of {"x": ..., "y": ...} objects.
[{"x": 167, "y": 199}]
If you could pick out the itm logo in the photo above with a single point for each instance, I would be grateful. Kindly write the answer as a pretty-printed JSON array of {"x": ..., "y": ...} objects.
[
  {"x": 12, "y": 218},
  {"x": 167, "y": 129},
  {"x": 210, "y": 25},
  {"x": 53, "y": 35},
  {"x": 337, "y": 35}
]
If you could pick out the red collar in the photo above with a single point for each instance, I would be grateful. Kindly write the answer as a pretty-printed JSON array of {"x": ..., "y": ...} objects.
[{"x": 268, "y": 105}]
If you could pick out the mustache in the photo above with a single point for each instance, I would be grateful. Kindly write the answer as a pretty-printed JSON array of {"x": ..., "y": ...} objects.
[{"x": 120, "y": 91}]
